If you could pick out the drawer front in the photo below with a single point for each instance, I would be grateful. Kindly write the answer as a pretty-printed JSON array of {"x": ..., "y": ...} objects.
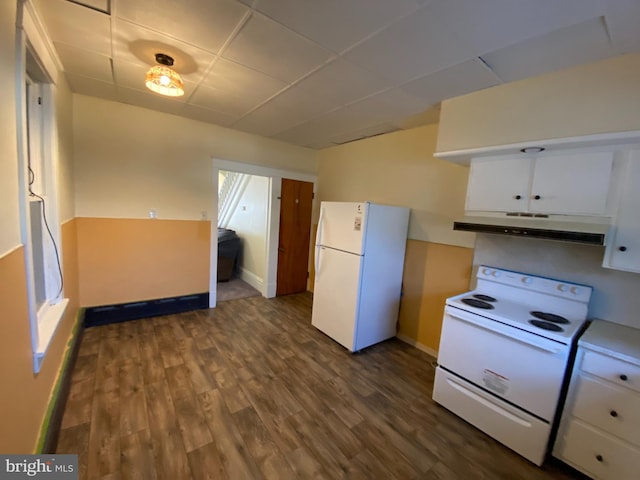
[
  {"x": 518, "y": 430},
  {"x": 612, "y": 369},
  {"x": 615, "y": 410},
  {"x": 597, "y": 454}
]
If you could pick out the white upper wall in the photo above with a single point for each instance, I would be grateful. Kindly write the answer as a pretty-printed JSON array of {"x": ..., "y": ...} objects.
[
  {"x": 601, "y": 97},
  {"x": 9, "y": 216},
  {"x": 399, "y": 169},
  {"x": 249, "y": 220},
  {"x": 129, "y": 160},
  {"x": 64, "y": 123}
]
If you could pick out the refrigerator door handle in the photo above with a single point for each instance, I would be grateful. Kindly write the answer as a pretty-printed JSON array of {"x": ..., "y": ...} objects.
[
  {"x": 316, "y": 263},
  {"x": 320, "y": 225}
]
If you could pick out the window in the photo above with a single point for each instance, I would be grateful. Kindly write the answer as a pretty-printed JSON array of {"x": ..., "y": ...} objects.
[{"x": 37, "y": 158}]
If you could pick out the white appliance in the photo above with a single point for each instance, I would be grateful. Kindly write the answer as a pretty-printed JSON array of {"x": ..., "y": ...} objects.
[
  {"x": 359, "y": 259},
  {"x": 505, "y": 353}
]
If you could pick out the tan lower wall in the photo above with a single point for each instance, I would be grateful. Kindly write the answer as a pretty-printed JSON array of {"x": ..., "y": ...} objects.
[
  {"x": 124, "y": 260},
  {"x": 25, "y": 396},
  {"x": 432, "y": 272}
]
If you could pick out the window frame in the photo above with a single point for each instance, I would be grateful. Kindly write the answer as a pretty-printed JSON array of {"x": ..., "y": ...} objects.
[{"x": 35, "y": 51}]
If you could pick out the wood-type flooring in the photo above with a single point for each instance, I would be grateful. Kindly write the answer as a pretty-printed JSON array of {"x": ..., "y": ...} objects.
[{"x": 250, "y": 390}]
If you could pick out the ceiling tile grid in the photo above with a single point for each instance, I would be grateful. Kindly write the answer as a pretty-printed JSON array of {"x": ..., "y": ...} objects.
[{"x": 319, "y": 73}]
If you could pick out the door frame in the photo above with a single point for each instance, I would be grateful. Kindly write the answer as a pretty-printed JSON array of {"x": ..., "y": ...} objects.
[{"x": 275, "y": 176}]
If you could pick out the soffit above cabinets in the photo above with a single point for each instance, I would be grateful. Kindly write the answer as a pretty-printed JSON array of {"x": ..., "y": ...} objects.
[{"x": 321, "y": 73}]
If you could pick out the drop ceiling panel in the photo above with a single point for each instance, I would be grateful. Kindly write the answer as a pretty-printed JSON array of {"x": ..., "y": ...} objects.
[
  {"x": 150, "y": 100},
  {"x": 579, "y": 44},
  {"x": 415, "y": 46},
  {"x": 206, "y": 115},
  {"x": 323, "y": 91},
  {"x": 338, "y": 83},
  {"x": 428, "y": 117},
  {"x": 204, "y": 23},
  {"x": 336, "y": 24},
  {"x": 83, "y": 62},
  {"x": 492, "y": 24},
  {"x": 327, "y": 126},
  {"x": 91, "y": 86},
  {"x": 222, "y": 101},
  {"x": 236, "y": 79},
  {"x": 363, "y": 133},
  {"x": 387, "y": 106},
  {"x": 270, "y": 119},
  {"x": 138, "y": 45},
  {"x": 622, "y": 20},
  {"x": 463, "y": 78},
  {"x": 267, "y": 46},
  {"x": 76, "y": 25}
]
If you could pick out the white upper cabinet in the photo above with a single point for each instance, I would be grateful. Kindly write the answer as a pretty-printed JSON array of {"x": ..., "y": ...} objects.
[
  {"x": 566, "y": 184},
  {"x": 499, "y": 184},
  {"x": 623, "y": 249}
]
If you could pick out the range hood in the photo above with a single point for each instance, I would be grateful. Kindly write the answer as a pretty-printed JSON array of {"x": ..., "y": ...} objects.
[{"x": 561, "y": 229}]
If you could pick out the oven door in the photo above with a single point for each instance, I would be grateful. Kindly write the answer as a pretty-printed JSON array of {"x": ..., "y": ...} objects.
[{"x": 520, "y": 367}]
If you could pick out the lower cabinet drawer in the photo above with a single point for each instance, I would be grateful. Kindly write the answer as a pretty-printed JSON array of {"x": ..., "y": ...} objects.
[
  {"x": 613, "y": 409},
  {"x": 611, "y": 369},
  {"x": 598, "y": 454}
]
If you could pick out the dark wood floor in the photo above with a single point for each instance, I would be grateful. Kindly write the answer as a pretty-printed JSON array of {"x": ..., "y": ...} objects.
[{"x": 251, "y": 390}]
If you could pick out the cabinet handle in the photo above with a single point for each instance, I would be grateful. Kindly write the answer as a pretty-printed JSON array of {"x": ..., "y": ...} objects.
[
  {"x": 624, "y": 378},
  {"x": 599, "y": 458},
  {"x": 517, "y": 197},
  {"x": 613, "y": 413},
  {"x": 537, "y": 197},
  {"x": 622, "y": 248}
]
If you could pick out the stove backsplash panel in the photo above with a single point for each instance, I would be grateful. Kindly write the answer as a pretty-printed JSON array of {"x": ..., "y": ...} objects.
[{"x": 616, "y": 294}]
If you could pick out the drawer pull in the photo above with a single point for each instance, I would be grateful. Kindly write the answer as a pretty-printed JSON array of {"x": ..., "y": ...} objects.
[
  {"x": 624, "y": 378},
  {"x": 599, "y": 458},
  {"x": 613, "y": 413}
]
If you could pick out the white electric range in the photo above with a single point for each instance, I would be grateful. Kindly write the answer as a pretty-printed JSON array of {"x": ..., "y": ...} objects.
[{"x": 504, "y": 355}]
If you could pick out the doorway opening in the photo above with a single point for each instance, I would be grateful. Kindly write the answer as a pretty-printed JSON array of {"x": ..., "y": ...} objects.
[{"x": 267, "y": 284}]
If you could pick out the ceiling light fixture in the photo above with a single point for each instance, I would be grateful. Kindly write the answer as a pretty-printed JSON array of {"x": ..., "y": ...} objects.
[{"x": 163, "y": 79}]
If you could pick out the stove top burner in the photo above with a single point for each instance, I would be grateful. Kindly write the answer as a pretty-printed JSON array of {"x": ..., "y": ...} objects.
[
  {"x": 473, "y": 302},
  {"x": 484, "y": 298},
  {"x": 546, "y": 325},
  {"x": 549, "y": 317}
]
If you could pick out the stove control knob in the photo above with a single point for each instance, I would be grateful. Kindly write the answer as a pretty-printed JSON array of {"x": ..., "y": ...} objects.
[
  {"x": 527, "y": 280},
  {"x": 486, "y": 271},
  {"x": 575, "y": 290},
  {"x": 495, "y": 273},
  {"x": 562, "y": 287}
]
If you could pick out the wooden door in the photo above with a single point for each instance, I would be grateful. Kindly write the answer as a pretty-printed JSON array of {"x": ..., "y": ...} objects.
[{"x": 295, "y": 230}]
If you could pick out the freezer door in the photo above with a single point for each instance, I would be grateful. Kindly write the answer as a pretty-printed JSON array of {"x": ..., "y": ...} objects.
[
  {"x": 335, "y": 294},
  {"x": 342, "y": 226}
]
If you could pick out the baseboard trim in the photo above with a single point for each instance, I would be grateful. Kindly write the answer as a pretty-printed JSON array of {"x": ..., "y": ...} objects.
[
  {"x": 252, "y": 279},
  {"x": 418, "y": 345},
  {"x": 61, "y": 392},
  {"x": 122, "y": 312}
]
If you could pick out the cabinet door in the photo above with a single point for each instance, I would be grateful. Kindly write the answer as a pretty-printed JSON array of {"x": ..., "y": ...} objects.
[
  {"x": 499, "y": 184},
  {"x": 623, "y": 249},
  {"x": 571, "y": 184}
]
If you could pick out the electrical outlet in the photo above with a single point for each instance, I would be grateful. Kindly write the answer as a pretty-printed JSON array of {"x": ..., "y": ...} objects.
[{"x": 153, "y": 213}]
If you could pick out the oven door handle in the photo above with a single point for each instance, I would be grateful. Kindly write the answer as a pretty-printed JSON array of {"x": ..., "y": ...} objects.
[{"x": 512, "y": 332}]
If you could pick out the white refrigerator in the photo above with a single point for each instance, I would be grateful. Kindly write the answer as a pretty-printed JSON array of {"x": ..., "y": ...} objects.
[{"x": 359, "y": 259}]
